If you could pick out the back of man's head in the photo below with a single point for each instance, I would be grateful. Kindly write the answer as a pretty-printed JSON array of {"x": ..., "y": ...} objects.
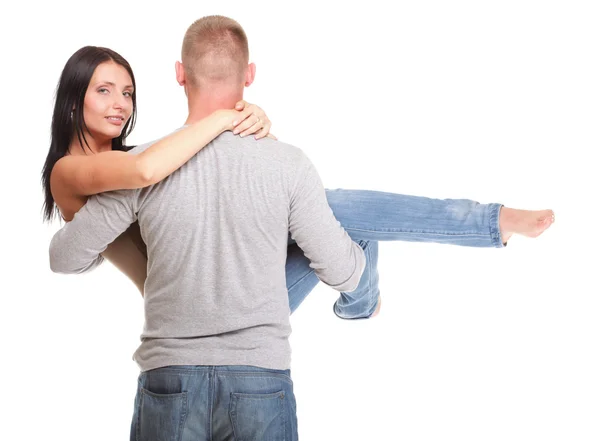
[{"x": 215, "y": 51}]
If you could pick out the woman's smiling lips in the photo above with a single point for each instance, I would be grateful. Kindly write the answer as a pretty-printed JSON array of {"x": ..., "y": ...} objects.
[{"x": 116, "y": 120}]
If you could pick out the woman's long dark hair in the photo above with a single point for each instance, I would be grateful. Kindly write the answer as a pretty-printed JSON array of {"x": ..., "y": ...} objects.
[{"x": 67, "y": 119}]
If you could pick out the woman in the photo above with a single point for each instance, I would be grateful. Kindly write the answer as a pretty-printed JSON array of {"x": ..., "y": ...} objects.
[{"x": 94, "y": 112}]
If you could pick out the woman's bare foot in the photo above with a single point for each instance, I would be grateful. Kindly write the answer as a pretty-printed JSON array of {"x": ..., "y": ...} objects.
[{"x": 525, "y": 222}]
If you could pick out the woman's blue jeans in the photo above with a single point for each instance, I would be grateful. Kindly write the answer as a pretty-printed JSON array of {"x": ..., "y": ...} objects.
[{"x": 373, "y": 216}]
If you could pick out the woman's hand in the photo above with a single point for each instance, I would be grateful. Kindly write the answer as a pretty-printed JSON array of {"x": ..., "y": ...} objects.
[{"x": 255, "y": 121}]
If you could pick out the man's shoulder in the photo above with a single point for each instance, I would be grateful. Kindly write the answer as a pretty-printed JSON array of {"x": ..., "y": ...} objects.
[
  {"x": 280, "y": 148},
  {"x": 271, "y": 147}
]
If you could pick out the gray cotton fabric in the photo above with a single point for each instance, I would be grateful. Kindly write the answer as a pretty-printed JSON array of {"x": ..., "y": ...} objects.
[{"x": 217, "y": 238}]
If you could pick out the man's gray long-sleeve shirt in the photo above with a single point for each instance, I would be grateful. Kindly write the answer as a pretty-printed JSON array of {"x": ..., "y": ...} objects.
[{"x": 217, "y": 234}]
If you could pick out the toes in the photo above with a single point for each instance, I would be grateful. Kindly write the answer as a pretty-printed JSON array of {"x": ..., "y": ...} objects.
[{"x": 549, "y": 216}]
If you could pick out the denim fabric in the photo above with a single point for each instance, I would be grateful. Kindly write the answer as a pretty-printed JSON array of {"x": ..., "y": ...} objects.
[
  {"x": 372, "y": 216},
  {"x": 214, "y": 403}
]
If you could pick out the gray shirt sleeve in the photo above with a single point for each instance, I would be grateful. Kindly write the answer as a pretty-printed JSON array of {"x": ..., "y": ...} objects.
[
  {"x": 337, "y": 260},
  {"x": 76, "y": 247}
]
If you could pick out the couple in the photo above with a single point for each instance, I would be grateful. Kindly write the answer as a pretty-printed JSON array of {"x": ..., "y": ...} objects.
[{"x": 216, "y": 260}]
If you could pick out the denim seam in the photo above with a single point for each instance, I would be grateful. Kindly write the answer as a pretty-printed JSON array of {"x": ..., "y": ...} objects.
[
  {"x": 183, "y": 415},
  {"x": 138, "y": 416},
  {"x": 283, "y": 413},
  {"x": 174, "y": 372},
  {"x": 174, "y": 396},
  {"x": 233, "y": 414},
  {"x": 259, "y": 396},
  {"x": 373, "y": 302},
  {"x": 435, "y": 233},
  {"x": 494, "y": 226},
  {"x": 241, "y": 375},
  {"x": 212, "y": 379},
  {"x": 368, "y": 250}
]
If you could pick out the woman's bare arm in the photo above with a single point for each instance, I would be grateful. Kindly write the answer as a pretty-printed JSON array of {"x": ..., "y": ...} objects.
[
  {"x": 84, "y": 175},
  {"x": 74, "y": 178}
]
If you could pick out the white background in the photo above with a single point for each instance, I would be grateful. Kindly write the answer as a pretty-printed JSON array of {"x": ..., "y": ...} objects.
[{"x": 491, "y": 101}]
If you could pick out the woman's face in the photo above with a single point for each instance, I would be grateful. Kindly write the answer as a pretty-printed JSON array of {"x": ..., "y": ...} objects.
[{"x": 108, "y": 105}]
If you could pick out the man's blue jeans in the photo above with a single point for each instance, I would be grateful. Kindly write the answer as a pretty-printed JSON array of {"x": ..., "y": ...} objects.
[
  {"x": 219, "y": 403},
  {"x": 373, "y": 216}
]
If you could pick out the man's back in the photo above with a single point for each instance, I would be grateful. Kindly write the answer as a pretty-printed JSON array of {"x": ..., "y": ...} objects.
[{"x": 217, "y": 232}]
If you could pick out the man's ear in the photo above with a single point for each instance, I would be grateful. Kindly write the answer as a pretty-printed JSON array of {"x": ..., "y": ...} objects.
[
  {"x": 250, "y": 74},
  {"x": 180, "y": 73}
]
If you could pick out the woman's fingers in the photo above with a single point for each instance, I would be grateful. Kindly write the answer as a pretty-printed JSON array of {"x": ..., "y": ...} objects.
[
  {"x": 241, "y": 105},
  {"x": 261, "y": 133},
  {"x": 252, "y": 121},
  {"x": 245, "y": 122},
  {"x": 241, "y": 120},
  {"x": 251, "y": 125},
  {"x": 256, "y": 125},
  {"x": 264, "y": 131},
  {"x": 257, "y": 111}
]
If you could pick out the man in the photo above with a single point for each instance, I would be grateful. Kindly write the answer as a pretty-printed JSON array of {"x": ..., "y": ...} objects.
[{"x": 215, "y": 354}]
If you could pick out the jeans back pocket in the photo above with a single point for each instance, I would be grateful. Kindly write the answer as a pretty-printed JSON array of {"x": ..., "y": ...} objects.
[
  {"x": 258, "y": 416},
  {"x": 161, "y": 416}
]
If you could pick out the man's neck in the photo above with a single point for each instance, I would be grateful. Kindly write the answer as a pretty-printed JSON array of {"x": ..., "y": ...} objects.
[{"x": 203, "y": 103}]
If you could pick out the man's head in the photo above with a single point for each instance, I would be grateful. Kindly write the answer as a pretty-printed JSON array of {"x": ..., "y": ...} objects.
[{"x": 214, "y": 57}]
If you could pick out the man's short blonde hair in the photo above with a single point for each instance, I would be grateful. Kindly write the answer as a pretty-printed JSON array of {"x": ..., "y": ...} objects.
[{"x": 215, "y": 49}]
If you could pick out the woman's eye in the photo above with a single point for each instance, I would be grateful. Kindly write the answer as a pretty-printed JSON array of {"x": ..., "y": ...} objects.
[
  {"x": 103, "y": 90},
  {"x": 127, "y": 94}
]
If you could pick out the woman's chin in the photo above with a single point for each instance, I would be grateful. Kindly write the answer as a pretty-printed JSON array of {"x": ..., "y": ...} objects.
[{"x": 113, "y": 132}]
